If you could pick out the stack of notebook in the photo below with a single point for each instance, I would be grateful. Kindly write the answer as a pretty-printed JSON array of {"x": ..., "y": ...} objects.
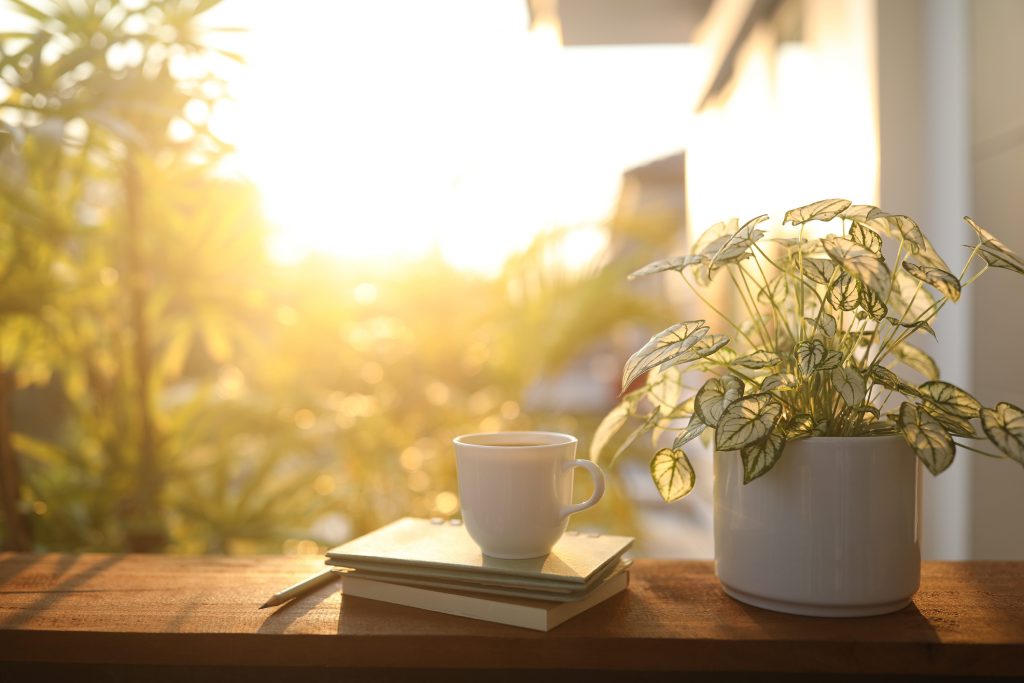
[{"x": 435, "y": 565}]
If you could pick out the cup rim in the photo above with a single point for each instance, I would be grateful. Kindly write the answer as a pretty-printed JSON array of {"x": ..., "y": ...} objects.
[{"x": 559, "y": 439}]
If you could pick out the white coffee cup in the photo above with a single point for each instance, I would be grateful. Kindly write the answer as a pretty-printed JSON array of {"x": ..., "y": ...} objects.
[{"x": 515, "y": 490}]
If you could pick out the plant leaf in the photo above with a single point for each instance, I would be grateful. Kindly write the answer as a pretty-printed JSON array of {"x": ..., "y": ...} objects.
[
  {"x": 663, "y": 347},
  {"x": 919, "y": 325},
  {"x": 672, "y": 473},
  {"x": 832, "y": 360},
  {"x": 825, "y": 322},
  {"x": 704, "y": 347},
  {"x": 843, "y": 294},
  {"x": 818, "y": 269},
  {"x": 927, "y": 437},
  {"x": 1004, "y": 427},
  {"x": 736, "y": 247},
  {"x": 867, "y": 238},
  {"x": 773, "y": 292},
  {"x": 859, "y": 263},
  {"x": 995, "y": 253},
  {"x": 609, "y": 427},
  {"x": 694, "y": 429},
  {"x": 679, "y": 263},
  {"x": 799, "y": 426},
  {"x": 772, "y": 382},
  {"x": 917, "y": 360},
  {"x": 758, "y": 360},
  {"x": 945, "y": 282},
  {"x": 716, "y": 231},
  {"x": 746, "y": 421},
  {"x": 850, "y": 385},
  {"x": 824, "y": 210},
  {"x": 760, "y": 457},
  {"x": 871, "y": 304},
  {"x": 950, "y": 398},
  {"x": 890, "y": 380},
  {"x": 861, "y": 212},
  {"x": 715, "y": 396},
  {"x": 954, "y": 424},
  {"x": 809, "y": 355}
]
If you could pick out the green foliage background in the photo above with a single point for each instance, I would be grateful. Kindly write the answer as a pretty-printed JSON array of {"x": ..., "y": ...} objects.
[{"x": 166, "y": 386}]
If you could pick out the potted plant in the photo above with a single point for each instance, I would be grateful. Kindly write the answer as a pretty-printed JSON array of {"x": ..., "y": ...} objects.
[{"x": 818, "y": 392}]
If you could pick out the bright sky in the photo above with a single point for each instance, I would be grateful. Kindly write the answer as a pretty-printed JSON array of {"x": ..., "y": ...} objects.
[{"x": 383, "y": 130}]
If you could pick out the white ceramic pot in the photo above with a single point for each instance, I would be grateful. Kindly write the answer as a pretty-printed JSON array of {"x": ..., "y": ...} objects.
[{"x": 832, "y": 530}]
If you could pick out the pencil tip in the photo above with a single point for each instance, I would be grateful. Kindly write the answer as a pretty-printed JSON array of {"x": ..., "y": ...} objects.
[{"x": 267, "y": 604}]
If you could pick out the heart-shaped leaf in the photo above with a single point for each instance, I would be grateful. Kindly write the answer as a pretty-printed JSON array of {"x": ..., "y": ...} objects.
[
  {"x": 746, "y": 421},
  {"x": 859, "y": 263},
  {"x": 679, "y": 263},
  {"x": 871, "y": 304},
  {"x": 825, "y": 322},
  {"x": 715, "y": 396},
  {"x": 672, "y": 473},
  {"x": 927, "y": 437},
  {"x": 954, "y": 424},
  {"x": 782, "y": 380},
  {"x": 843, "y": 294},
  {"x": 809, "y": 355},
  {"x": 824, "y": 210},
  {"x": 890, "y": 380},
  {"x": 662, "y": 347},
  {"x": 947, "y": 283},
  {"x": 950, "y": 398},
  {"x": 867, "y": 238},
  {"x": 1004, "y": 427},
  {"x": 818, "y": 270},
  {"x": 735, "y": 247},
  {"x": 760, "y": 457},
  {"x": 716, "y": 231},
  {"x": 850, "y": 385},
  {"x": 832, "y": 360}
]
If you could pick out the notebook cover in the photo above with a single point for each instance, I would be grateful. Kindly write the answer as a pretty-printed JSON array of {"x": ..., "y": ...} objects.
[{"x": 422, "y": 544}]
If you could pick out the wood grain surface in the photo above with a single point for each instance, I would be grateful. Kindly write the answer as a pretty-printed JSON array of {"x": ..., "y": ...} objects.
[{"x": 130, "y": 610}]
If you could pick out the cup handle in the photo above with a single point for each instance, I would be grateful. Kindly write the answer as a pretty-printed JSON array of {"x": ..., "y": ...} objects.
[{"x": 598, "y": 476}]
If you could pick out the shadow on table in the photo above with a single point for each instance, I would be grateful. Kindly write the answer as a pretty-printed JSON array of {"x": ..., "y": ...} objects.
[
  {"x": 61, "y": 565},
  {"x": 280, "y": 618}
]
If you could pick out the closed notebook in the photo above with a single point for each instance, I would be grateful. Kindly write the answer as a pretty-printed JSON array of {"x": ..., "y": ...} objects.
[
  {"x": 539, "y": 615},
  {"x": 422, "y": 547},
  {"x": 522, "y": 590}
]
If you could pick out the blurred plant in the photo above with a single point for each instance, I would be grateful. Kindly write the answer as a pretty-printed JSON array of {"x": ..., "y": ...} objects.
[{"x": 166, "y": 386}]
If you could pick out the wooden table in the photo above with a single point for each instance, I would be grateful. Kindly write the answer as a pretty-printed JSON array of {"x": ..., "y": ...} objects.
[{"x": 143, "y": 617}]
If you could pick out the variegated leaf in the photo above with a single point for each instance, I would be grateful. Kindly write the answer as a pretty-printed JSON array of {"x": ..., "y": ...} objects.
[
  {"x": 818, "y": 270},
  {"x": 704, "y": 347},
  {"x": 919, "y": 325},
  {"x": 694, "y": 429},
  {"x": 947, "y": 283},
  {"x": 950, "y": 398},
  {"x": 746, "y": 421},
  {"x": 758, "y": 458},
  {"x": 890, "y": 380},
  {"x": 715, "y": 396},
  {"x": 799, "y": 426},
  {"x": 824, "y": 210},
  {"x": 927, "y": 437},
  {"x": 832, "y": 360},
  {"x": 995, "y": 253},
  {"x": 809, "y": 355},
  {"x": 716, "y": 231},
  {"x": 867, "y": 238},
  {"x": 917, "y": 360},
  {"x": 679, "y": 263},
  {"x": 843, "y": 294},
  {"x": 1004, "y": 427},
  {"x": 662, "y": 347},
  {"x": 954, "y": 424},
  {"x": 859, "y": 263},
  {"x": 861, "y": 212},
  {"x": 772, "y": 382},
  {"x": 672, "y": 473},
  {"x": 850, "y": 385},
  {"x": 825, "y": 322},
  {"x": 758, "y": 360},
  {"x": 872, "y": 304},
  {"x": 609, "y": 427}
]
